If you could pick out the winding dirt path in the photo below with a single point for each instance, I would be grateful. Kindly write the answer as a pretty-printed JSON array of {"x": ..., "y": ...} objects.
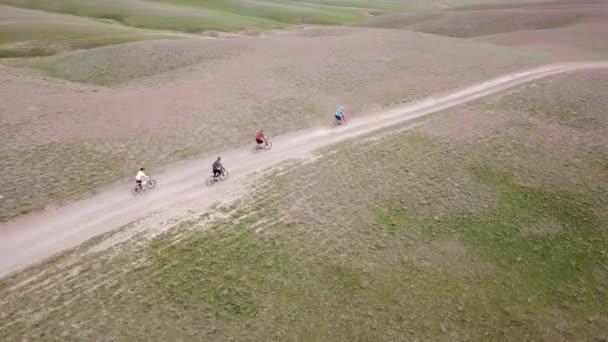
[{"x": 39, "y": 236}]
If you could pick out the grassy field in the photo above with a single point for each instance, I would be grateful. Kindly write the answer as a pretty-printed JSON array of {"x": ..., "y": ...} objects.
[
  {"x": 230, "y": 15},
  {"x": 144, "y": 14},
  {"x": 227, "y": 15},
  {"x": 486, "y": 222},
  {"x": 25, "y": 32},
  {"x": 39, "y": 28},
  {"x": 61, "y": 131}
]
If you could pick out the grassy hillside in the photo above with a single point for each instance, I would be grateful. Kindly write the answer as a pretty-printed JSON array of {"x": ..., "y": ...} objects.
[
  {"x": 144, "y": 14},
  {"x": 38, "y": 28},
  {"x": 293, "y": 12},
  {"x": 226, "y": 15},
  {"x": 26, "y": 32},
  {"x": 486, "y": 222},
  {"x": 197, "y": 85},
  {"x": 487, "y": 20},
  {"x": 199, "y": 16}
]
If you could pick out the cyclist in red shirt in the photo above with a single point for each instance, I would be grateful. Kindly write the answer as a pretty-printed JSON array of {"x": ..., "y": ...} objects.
[{"x": 259, "y": 137}]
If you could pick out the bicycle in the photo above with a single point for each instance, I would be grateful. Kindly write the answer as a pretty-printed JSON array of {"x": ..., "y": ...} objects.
[
  {"x": 339, "y": 122},
  {"x": 148, "y": 183},
  {"x": 222, "y": 177},
  {"x": 266, "y": 145}
]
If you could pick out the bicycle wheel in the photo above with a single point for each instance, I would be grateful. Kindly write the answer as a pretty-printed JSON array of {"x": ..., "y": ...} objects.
[
  {"x": 268, "y": 145},
  {"x": 136, "y": 190},
  {"x": 224, "y": 175},
  {"x": 255, "y": 148},
  {"x": 210, "y": 181},
  {"x": 151, "y": 183}
]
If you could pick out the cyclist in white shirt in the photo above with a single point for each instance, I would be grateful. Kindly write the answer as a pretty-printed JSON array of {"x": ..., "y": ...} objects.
[{"x": 140, "y": 176}]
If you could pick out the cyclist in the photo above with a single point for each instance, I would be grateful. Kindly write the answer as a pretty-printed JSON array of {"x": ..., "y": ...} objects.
[
  {"x": 139, "y": 177},
  {"x": 260, "y": 138},
  {"x": 340, "y": 116},
  {"x": 217, "y": 168}
]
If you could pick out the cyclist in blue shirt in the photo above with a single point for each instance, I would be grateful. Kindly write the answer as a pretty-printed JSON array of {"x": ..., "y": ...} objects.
[{"x": 340, "y": 114}]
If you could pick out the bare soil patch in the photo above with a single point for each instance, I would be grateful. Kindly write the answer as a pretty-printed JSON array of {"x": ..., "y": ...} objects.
[
  {"x": 450, "y": 256},
  {"x": 546, "y": 226}
]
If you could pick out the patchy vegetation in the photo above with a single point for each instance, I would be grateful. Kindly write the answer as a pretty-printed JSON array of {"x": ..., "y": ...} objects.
[
  {"x": 82, "y": 136},
  {"x": 468, "y": 226},
  {"x": 40, "y": 28}
]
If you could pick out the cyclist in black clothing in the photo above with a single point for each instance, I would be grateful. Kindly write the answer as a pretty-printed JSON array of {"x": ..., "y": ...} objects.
[{"x": 217, "y": 168}]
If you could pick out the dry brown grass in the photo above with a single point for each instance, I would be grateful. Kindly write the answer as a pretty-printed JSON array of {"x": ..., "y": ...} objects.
[
  {"x": 579, "y": 41},
  {"x": 468, "y": 22},
  {"x": 572, "y": 29},
  {"x": 67, "y": 139}
]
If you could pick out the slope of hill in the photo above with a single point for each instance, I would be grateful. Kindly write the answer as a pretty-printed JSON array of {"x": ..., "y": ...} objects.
[
  {"x": 145, "y": 14},
  {"x": 34, "y": 28},
  {"x": 84, "y": 136},
  {"x": 570, "y": 28},
  {"x": 122, "y": 63},
  {"x": 580, "y": 40},
  {"x": 225, "y": 15},
  {"x": 484, "y": 222},
  {"x": 25, "y": 32}
]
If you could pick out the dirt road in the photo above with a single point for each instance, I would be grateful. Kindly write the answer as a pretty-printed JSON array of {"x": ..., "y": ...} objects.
[{"x": 36, "y": 237}]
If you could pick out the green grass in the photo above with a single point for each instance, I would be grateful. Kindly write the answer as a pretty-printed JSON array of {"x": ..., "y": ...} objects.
[
  {"x": 143, "y": 14},
  {"x": 25, "y": 33},
  {"x": 223, "y": 15},
  {"x": 39, "y": 28},
  {"x": 541, "y": 266},
  {"x": 198, "y": 16},
  {"x": 457, "y": 3},
  {"x": 287, "y": 12}
]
